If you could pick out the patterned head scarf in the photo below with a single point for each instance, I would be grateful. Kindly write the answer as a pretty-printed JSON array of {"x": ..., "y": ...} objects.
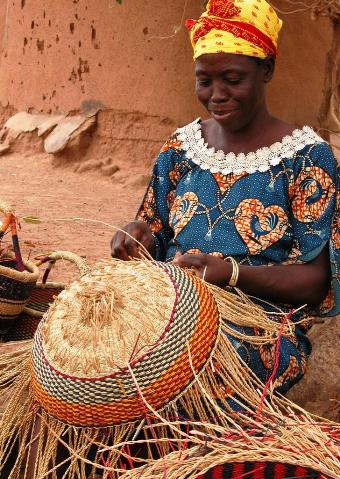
[{"x": 244, "y": 27}]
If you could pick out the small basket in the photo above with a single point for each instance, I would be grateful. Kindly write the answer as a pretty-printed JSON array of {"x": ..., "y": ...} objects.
[
  {"x": 42, "y": 296},
  {"x": 17, "y": 277}
]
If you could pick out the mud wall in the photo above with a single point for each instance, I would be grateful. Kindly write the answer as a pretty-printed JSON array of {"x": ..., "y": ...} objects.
[
  {"x": 54, "y": 55},
  {"x": 57, "y": 54},
  {"x": 296, "y": 91}
]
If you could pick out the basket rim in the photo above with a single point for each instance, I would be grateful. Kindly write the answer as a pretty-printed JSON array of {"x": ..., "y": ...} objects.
[{"x": 30, "y": 274}]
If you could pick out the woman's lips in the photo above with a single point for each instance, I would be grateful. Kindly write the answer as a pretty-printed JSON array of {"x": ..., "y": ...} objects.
[{"x": 222, "y": 113}]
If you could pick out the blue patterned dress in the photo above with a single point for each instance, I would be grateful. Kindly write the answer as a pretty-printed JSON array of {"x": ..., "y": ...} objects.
[{"x": 274, "y": 206}]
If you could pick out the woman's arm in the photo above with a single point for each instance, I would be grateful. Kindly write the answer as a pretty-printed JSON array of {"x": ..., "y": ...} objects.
[
  {"x": 312, "y": 196},
  {"x": 299, "y": 284},
  {"x": 151, "y": 225}
]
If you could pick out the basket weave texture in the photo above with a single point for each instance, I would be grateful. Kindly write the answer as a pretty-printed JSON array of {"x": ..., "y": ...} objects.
[
  {"x": 260, "y": 470},
  {"x": 17, "y": 277},
  {"x": 43, "y": 294},
  {"x": 15, "y": 291},
  {"x": 89, "y": 367}
]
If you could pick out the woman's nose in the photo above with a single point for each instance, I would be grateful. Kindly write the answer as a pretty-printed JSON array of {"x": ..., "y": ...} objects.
[{"x": 219, "y": 93}]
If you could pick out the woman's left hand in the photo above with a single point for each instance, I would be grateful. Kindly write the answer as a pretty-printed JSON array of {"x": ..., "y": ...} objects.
[
  {"x": 213, "y": 270},
  {"x": 294, "y": 284}
]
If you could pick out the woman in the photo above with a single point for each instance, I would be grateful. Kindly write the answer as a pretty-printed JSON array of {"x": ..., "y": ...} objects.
[{"x": 242, "y": 191}]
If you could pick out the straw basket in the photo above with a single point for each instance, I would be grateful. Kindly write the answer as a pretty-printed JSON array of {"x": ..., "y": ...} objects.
[
  {"x": 43, "y": 295},
  {"x": 111, "y": 321},
  {"x": 135, "y": 356},
  {"x": 17, "y": 277}
]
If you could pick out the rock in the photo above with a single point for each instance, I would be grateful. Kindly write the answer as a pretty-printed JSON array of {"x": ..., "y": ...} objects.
[
  {"x": 61, "y": 130},
  {"x": 119, "y": 177},
  {"x": 109, "y": 170},
  {"x": 26, "y": 122},
  {"x": 101, "y": 166},
  {"x": 20, "y": 131},
  {"x": 59, "y": 137},
  {"x": 4, "y": 147},
  {"x": 87, "y": 166},
  {"x": 108, "y": 161},
  {"x": 49, "y": 123}
]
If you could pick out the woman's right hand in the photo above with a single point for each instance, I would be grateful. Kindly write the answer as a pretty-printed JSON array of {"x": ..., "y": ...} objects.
[{"x": 124, "y": 247}]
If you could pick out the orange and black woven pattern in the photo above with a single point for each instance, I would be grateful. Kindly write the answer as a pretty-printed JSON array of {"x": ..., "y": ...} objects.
[
  {"x": 14, "y": 295},
  {"x": 162, "y": 373},
  {"x": 260, "y": 470}
]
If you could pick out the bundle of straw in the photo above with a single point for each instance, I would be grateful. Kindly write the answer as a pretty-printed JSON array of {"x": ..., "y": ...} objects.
[{"x": 135, "y": 357}]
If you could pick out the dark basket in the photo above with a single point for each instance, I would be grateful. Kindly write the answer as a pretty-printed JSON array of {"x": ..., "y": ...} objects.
[
  {"x": 17, "y": 277},
  {"x": 43, "y": 295}
]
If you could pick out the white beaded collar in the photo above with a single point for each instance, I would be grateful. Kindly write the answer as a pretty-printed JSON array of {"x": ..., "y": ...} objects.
[{"x": 261, "y": 160}]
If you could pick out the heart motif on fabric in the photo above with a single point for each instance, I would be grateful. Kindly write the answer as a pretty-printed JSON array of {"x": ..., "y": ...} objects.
[
  {"x": 182, "y": 211},
  {"x": 313, "y": 190},
  {"x": 259, "y": 227}
]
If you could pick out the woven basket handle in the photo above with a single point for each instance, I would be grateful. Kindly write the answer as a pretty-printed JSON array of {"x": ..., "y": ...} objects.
[
  {"x": 61, "y": 255},
  {"x": 10, "y": 222}
]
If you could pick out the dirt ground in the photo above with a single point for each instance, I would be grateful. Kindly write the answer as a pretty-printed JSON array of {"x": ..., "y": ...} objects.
[{"x": 34, "y": 187}]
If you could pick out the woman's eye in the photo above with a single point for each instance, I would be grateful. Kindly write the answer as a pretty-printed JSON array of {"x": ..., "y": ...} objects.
[
  {"x": 203, "y": 82},
  {"x": 233, "y": 81}
]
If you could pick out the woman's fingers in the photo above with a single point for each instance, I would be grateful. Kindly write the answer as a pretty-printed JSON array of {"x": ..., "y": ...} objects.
[
  {"x": 131, "y": 247},
  {"x": 189, "y": 261},
  {"x": 194, "y": 261},
  {"x": 123, "y": 247},
  {"x": 210, "y": 269},
  {"x": 118, "y": 248},
  {"x": 127, "y": 244}
]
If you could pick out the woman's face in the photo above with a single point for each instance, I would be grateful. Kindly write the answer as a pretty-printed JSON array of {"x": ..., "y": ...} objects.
[{"x": 231, "y": 87}]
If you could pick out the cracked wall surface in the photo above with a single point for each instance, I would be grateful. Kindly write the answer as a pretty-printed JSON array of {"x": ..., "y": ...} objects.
[{"x": 54, "y": 55}]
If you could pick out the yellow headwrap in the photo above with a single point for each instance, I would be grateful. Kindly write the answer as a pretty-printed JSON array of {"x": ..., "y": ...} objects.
[{"x": 244, "y": 27}]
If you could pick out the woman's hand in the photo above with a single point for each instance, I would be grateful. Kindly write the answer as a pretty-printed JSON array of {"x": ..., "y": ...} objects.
[
  {"x": 124, "y": 247},
  {"x": 213, "y": 270},
  {"x": 296, "y": 284}
]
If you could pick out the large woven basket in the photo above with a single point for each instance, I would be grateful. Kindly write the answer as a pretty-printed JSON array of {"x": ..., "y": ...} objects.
[
  {"x": 134, "y": 358},
  {"x": 17, "y": 277},
  {"x": 122, "y": 321},
  {"x": 43, "y": 295}
]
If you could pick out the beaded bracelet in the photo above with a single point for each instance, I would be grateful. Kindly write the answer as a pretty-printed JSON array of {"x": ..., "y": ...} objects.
[{"x": 235, "y": 272}]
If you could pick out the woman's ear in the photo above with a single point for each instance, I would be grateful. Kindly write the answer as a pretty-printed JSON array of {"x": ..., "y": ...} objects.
[{"x": 268, "y": 66}]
